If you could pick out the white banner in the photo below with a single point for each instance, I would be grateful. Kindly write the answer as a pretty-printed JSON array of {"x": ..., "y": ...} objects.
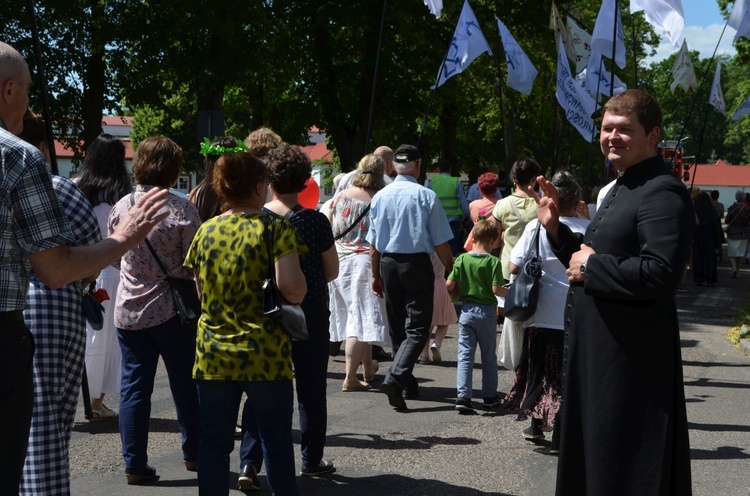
[
  {"x": 468, "y": 43},
  {"x": 666, "y": 15},
  {"x": 717, "y": 96},
  {"x": 743, "y": 110},
  {"x": 683, "y": 72},
  {"x": 739, "y": 19},
  {"x": 435, "y": 7},
  {"x": 578, "y": 105},
  {"x": 556, "y": 25},
  {"x": 580, "y": 42},
  {"x": 521, "y": 72},
  {"x": 602, "y": 37}
]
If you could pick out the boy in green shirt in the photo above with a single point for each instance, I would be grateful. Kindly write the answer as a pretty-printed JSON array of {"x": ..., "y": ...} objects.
[{"x": 477, "y": 277}]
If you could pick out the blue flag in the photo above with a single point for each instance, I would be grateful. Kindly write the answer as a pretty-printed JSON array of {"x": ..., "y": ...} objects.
[
  {"x": 468, "y": 43},
  {"x": 521, "y": 72}
]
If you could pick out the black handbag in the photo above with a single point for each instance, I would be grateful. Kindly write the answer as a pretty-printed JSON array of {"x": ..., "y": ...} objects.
[
  {"x": 185, "y": 294},
  {"x": 291, "y": 317},
  {"x": 92, "y": 309},
  {"x": 523, "y": 294}
]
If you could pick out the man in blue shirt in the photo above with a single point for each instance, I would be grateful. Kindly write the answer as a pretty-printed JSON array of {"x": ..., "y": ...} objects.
[{"x": 407, "y": 223}]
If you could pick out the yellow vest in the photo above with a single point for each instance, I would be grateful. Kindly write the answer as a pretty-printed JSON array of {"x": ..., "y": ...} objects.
[{"x": 445, "y": 188}]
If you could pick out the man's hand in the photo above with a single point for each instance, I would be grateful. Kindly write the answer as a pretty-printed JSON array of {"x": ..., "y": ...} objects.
[
  {"x": 574, "y": 268},
  {"x": 147, "y": 212},
  {"x": 377, "y": 286},
  {"x": 547, "y": 206}
]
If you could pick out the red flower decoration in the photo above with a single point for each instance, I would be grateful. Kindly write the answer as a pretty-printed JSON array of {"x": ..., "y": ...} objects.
[{"x": 101, "y": 295}]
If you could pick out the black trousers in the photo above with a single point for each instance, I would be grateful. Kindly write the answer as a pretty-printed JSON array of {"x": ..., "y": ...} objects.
[
  {"x": 409, "y": 282},
  {"x": 16, "y": 401}
]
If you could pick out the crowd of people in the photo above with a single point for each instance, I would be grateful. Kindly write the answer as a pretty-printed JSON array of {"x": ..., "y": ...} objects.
[{"x": 382, "y": 267}]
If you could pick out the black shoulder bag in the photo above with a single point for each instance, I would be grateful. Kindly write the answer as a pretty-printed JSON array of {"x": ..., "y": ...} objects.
[{"x": 523, "y": 294}]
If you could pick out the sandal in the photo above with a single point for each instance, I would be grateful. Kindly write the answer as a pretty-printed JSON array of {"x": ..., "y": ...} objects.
[
  {"x": 103, "y": 413},
  {"x": 376, "y": 367}
]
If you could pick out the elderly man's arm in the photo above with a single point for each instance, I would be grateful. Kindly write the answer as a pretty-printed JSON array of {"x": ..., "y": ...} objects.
[{"x": 63, "y": 264}]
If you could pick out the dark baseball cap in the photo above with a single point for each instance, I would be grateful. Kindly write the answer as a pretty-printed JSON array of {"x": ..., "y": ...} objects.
[{"x": 406, "y": 153}]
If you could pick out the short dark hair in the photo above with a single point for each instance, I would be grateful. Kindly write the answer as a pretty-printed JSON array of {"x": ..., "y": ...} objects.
[
  {"x": 235, "y": 176},
  {"x": 525, "y": 170},
  {"x": 157, "y": 162},
  {"x": 485, "y": 231},
  {"x": 638, "y": 102},
  {"x": 288, "y": 168},
  {"x": 34, "y": 129},
  {"x": 488, "y": 183},
  {"x": 715, "y": 194}
]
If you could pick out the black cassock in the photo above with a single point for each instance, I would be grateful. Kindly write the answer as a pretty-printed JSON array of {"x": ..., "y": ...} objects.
[{"x": 623, "y": 424}]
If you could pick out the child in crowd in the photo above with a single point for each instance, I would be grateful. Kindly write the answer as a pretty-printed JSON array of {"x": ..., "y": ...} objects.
[
  {"x": 443, "y": 313},
  {"x": 477, "y": 277}
]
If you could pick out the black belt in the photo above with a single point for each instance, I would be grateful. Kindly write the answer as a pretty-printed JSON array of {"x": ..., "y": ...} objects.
[
  {"x": 11, "y": 316},
  {"x": 407, "y": 256}
]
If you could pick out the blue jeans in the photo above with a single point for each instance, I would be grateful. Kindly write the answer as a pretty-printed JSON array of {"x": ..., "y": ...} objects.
[
  {"x": 271, "y": 404},
  {"x": 140, "y": 355},
  {"x": 477, "y": 325}
]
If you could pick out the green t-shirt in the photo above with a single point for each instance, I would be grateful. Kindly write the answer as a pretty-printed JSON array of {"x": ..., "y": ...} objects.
[
  {"x": 235, "y": 340},
  {"x": 476, "y": 274}
]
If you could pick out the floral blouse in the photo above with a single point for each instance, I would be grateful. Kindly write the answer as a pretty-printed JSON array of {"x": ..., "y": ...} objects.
[{"x": 344, "y": 211}]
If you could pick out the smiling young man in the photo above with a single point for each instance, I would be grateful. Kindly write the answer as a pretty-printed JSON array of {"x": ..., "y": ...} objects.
[{"x": 623, "y": 420}]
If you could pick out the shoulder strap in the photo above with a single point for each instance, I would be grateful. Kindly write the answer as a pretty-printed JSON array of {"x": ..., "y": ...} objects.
[
  {"x": 148, "y": 243},
  {"x": 518, "y": 214},
  {"x": 353, "y": 224},
  {"x": 268, "y": 235}
]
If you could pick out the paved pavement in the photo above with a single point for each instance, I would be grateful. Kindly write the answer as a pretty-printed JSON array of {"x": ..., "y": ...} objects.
[{"x": 432, "y": 450}]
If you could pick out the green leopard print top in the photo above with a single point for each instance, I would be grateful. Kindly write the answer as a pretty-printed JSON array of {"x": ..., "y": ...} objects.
[{"x": 235, "y": 341}]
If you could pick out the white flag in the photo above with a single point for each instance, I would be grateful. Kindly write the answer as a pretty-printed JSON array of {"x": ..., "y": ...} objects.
[
  {"x": 666, "y": 15},
  {"x": 717, "y": 96},
  {"x": 435, "y": 7},
  {"x": 556, "y": 25},
  {"x": 602, "y": 37},
  {"x": 468, "y": 43},
  {"x": 578, "y": 105},
  {"x": 596, "y": 78},
  {"x": 580, "y": 41},
  {"x": 521, "y": 72},
  {"x": 683, "y": 72},
  {"x": 739, "y": 19},
  {"x": 743, "y": 110}
]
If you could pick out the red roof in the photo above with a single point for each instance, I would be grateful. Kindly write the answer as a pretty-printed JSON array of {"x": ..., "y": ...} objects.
[
  {"x": 720, "y": 174},
  {"x": 318, "y": 151},
  {"x": 113, "y": 120},
  {"x": 63, "y": 152}
]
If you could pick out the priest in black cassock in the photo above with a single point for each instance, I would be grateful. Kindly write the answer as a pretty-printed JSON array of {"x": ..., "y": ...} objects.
[{"x": 624, "y": 427}]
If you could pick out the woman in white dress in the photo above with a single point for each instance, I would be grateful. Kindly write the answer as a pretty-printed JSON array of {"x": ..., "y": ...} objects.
[
  {"x": 357, "y": 315},
  {"x": 104, "y": 180}
]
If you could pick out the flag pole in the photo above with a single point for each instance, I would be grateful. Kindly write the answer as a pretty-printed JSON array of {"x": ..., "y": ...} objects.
[
  {"x": 434, "y": 92},
  {"x": 614, "y": 50},
  {"x": 596, "y": 102},
  {"x": 375, "y": 80},
  {"x": 635, "y": 53},
  {"x": 42, "y": 86}
]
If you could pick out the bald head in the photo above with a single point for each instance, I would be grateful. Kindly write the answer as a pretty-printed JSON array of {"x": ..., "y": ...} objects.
[
  {"x": 14, "y": 85},
  {"x": 386, "y": 154}
]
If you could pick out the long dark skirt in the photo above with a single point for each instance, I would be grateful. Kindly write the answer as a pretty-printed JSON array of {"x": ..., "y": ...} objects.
[{"x": 536, "y": 389}]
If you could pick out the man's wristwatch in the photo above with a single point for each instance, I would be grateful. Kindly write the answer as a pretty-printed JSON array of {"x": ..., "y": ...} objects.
[{"x": 582, "y": 267}]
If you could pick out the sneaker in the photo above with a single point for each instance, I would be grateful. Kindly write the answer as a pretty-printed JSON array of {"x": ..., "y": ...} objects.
[
  {"x": 435, "y": 350},
  {"x": 490, "y": 403},
  {"x": 463, "y": 405},
  {"x": 533, "y": 432},
  {"x": 248, "y": 479}
]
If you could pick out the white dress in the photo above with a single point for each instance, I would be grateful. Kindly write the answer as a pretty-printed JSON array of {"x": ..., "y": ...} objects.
[
  {"x": 103, "y": 356},
  {"x": 355, "y": 310}
]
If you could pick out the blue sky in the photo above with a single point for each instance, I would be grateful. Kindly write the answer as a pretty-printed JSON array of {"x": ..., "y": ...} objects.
[{"x": 703, "y": 26}]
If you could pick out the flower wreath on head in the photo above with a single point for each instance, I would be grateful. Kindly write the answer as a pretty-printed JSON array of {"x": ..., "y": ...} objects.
[{"x": 208, "y": 149}]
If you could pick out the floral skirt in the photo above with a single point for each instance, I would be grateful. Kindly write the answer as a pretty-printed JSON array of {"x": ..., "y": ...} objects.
[{"x": 536, "y": 390}]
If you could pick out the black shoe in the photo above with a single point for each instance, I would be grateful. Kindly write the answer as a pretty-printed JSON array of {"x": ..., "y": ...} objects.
[
  {"x": 490, "y": 403},
  {"x": 394, "y": 396},
  {"x": 324, "y": 467},
  {"x": 534, "y": 431},
  {"x": 143, "y": 475},
  {"x": 380, "y": 354},
  {"x": 463, "y": 405},
  {"x": 410, "y": 395},
  {"x": 248, "y": 479},
  {"x": 334, "y": 347}
]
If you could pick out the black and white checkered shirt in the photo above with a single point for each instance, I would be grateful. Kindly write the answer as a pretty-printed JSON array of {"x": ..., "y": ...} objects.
[{"x": 30, "y": 216}]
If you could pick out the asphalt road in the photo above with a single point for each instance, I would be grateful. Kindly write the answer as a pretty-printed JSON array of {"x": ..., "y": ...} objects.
[{"x": 432, "y": 450}]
